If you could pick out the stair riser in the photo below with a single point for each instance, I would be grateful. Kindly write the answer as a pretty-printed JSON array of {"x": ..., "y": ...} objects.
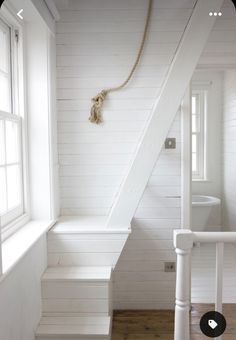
[
  {"x": 75, "y": 306},
  {"x": 83, "y": 259},
  {"x": 85, "y": 249},
  {"x": 74, "y": 290}
]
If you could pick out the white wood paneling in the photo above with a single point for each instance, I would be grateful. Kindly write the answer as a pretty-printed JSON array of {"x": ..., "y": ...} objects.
[
  {"x": 203, "y": 274},
  {"x": 163, "y": 113},
  {"x": 110, "y": 147},
  {"x": 139, "y": 278},
  {"x": 229, "y": 151},
  {"x": 93, "y": 160},
  {"x": 221, "y": 47}
]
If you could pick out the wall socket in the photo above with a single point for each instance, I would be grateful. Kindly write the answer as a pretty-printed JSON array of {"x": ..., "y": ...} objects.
[
  {"x": 170, "y": 267},
  {"x": 170, "y": 143}
]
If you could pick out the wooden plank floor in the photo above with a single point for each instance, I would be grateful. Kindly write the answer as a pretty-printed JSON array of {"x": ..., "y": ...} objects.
[{"x": 159, "y": 325}]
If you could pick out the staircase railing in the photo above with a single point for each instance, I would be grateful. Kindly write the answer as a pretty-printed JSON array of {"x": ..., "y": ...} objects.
[{"x": 183, "y": 242}]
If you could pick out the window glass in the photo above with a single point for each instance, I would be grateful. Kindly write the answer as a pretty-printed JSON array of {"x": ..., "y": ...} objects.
[
  {"x": 5, "y": 68},
  {"x": 12, "y": 144},
  {"x": 3, "y": 195},
  {"x": 198, "y": 133},
  {"x": 2, "y": 143},
  {"x": 11, "y": 178},
  {"x": 13, "y": 186}
]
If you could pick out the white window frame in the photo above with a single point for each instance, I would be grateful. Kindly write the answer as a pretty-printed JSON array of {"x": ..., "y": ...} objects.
[
  {"x": 201, "y": 135},
  {"x": 14, "y": 219}
]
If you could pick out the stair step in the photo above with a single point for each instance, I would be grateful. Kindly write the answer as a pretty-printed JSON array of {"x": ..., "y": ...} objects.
[
  {"x": 94, "y": 274},
  {"x": 85, "y": 241},
  {"x": 85, "y": 224},
  {"x": 76, "y": 290},
  {"x": 74, "y": 327}
]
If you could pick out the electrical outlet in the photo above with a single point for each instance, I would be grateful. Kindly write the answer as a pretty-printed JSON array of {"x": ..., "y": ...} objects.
[
  {"x": 170, "y": 267},
  {"x": 170, "y": 143}
]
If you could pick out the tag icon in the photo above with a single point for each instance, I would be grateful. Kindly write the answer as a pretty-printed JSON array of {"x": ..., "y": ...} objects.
[{"x": 212, "y": 324}]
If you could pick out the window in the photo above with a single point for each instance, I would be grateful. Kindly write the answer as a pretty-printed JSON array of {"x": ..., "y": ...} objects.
[
  {"x": 199, "y": 101},
  {"x": 11, "y": 146}
]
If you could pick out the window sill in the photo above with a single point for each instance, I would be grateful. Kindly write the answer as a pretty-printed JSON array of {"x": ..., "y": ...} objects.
[{"x": 16, "y": 246}]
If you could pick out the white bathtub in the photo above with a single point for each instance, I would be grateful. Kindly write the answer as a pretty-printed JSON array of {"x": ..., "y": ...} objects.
[{"x": 205, "y": 213}]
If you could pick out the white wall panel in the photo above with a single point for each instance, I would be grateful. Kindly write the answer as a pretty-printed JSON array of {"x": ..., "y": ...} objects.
[
  {"x": 221, "y": 46},
  {"x": 93, "y": 159},
  {"x": 229, "y": 151}
]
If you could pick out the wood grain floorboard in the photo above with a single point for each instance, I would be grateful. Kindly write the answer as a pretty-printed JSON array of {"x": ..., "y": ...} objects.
[{"x": 159, "y": 325}]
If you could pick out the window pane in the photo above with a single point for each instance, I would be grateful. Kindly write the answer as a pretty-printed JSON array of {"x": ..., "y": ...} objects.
[
  {"x": 5, "y": 70},
  {"x": 194, "y": 143},
  {"x": 3, "y": 198},
  {"x": 13, "y": 186},
  {"x": 2, "y": 144},
  {"x": 195, "y": 123},
  {"x": 194, "y": 105},
  {"x": 12, "y": 142},
  {"x": 4, "y": 43},
  {"x": 194, "y": 162},
  {"x": 5, "y": 102}
]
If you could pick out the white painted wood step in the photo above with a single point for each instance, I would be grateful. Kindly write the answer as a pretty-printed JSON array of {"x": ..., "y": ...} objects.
[
  {"x": 85, "y": 224},
  {"x": 76, "y": 290},
  {"x": 65, "y": 328},
  {"x": 76, "y": 283},
  {"x": 77, "y": 273},
  {"x": 85, "y": 241}
]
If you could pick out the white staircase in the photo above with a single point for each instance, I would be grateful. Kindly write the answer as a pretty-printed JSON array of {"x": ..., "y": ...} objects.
[
  {"x": 83, "y": 251},
  {"x": 77, "y": 285}
]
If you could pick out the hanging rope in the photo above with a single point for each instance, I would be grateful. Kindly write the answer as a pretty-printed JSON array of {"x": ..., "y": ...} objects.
[{"x": 97, "y": 101}]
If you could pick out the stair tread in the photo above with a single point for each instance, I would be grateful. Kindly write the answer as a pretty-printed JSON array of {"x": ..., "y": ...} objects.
[
  {"x": 74, "y": 326},
  {"x": 78, "y": 273},
  {"x": 84, "y": 224}
]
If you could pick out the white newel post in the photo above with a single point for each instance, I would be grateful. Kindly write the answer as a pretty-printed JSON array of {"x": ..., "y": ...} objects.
[{"x": 183, "y": 242}]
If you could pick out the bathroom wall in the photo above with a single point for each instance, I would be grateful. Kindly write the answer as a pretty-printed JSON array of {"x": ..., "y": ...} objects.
[{"x": 229, "y": 151}]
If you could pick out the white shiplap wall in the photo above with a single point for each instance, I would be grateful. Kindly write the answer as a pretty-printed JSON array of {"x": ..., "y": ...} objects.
[
  {"x": 229, "y": 151},
  {"x": 97, "y": 42},
  {"x": 220, "y": 50},
  {"x": 140, "y": 280}
]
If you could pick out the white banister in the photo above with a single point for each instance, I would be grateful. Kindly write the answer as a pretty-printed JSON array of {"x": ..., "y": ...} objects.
[
  {"x": 183, "y": 243},
  {"x": 214, "y": 237},
  {"x": 219, "y": 276}
]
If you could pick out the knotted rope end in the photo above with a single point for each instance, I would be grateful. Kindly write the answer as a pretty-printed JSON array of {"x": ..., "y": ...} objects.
[{"x": 96, "y": 109}]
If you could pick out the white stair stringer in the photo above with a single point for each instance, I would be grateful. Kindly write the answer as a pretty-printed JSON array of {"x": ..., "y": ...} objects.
[{"x": 77, "y": 285}]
